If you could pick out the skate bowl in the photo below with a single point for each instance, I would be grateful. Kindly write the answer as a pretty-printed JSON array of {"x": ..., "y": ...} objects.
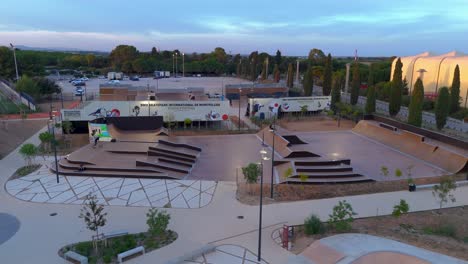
[{"x": 414, "y": 145}]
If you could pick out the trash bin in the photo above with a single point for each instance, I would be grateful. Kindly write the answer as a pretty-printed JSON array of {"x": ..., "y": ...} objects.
[{"x": 262, "y": 116}]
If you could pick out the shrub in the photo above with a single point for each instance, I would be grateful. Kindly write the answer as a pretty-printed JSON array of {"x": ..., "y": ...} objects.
[
  {"x": 405, "y": 100},
  {"x": 401, "y": 208},
  {"x": 447, "y": 230},
  {"x": 107, "y": 259},
  {"x": 342, "y": 216},
  {"x": 313, "y": 225},
  {"x": 398, "y": 173},
  {"x": 251, "y": 172},
  {"x": 157, "y": 221},
  {"x": 370, "y": 103},
  {"x": 428, "y": 105},
  {"x": 29, "y": 152},
  {"x": 84, "y": 248}
]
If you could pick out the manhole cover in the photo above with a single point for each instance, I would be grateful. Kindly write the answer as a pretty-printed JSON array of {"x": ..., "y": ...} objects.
[
  {"x": 240, "y": 217},
  {"x": 53, "y": 214}
]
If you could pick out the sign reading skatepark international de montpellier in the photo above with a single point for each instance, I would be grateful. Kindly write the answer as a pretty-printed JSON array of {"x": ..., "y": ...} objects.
[{"x": 174, "y": 110}]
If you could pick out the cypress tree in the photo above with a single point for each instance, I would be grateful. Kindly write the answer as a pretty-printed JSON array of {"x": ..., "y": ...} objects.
[
  {"x": 336, "y": 93},
  {"x": 370, "y": 103},
  {"x": 455, "y": 91},
  {"x": 290, "y": 80},
  {"x": 327, "y": 76},
  {"x": 396, "y": 90},
  {"x": 308, "y": 82},
  {"x": 370, "y": 80},
  {"x": 355, "y": 84},
  {"x": 415, "y": 107},
  {"x": 276, "y": 73},
  {"x": 442, "y": 107}
]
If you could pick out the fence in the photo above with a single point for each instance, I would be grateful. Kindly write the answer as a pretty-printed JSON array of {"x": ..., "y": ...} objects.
[
  {"x": 428, "y": 118},
  {"x": 18, "y": 99}
]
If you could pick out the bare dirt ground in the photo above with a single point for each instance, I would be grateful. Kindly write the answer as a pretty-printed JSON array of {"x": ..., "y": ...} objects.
[
  {"x": 316, "y": 123},
  {"x": 410, "y": 229},
  {"x": 15, "y": 132}
]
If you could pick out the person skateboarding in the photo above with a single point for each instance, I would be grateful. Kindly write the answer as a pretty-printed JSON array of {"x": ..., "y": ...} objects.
[{"x": 96, "y": 138}]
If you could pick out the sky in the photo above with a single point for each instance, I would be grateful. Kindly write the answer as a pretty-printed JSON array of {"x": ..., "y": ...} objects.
[{"x": 373, "y": 27}]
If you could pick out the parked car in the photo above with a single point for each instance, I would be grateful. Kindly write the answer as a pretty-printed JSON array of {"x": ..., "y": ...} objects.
[
  {"x": 134, "y": 78},
  {"x": 84, "y": 79},
  {"x": 79, "y": 89},
  {"x": 113, "y": 82}
]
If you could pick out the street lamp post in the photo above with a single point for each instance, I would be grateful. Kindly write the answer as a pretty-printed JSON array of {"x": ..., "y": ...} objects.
[
  {"x": 14, "y": 57},
  {"x": 51, "y": 119},
  {"x": 263, "y": 152},
  {"x": 183, "y": 65},
  {"x": 272, "y": 130},
  {"x": 238, "y": 124},
  {"x": 173, "y": 64},
  {"x": 176, "y": 71}
]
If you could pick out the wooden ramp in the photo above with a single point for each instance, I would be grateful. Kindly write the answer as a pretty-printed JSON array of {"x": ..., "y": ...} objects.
[{"x": 413, "y": 144}]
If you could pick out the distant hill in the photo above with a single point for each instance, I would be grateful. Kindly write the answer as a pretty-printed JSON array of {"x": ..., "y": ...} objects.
[{"x": 58, "y": 49}]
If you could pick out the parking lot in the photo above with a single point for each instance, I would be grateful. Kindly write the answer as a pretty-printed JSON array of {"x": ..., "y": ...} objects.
[{"x": 211, "y": 84}]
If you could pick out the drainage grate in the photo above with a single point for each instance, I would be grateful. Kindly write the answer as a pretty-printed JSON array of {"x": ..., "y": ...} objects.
[
  {"x": 240, "y": 217},
  {"x": 53, "y": 214}
]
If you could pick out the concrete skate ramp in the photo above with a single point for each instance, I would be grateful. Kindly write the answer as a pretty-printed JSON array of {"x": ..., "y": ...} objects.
[
  {"x": 133, "y": 123},
  {"x": 282, "y": 145},
  {"x": 413, "y": 144},
  {"x": 136, "y": 135}
]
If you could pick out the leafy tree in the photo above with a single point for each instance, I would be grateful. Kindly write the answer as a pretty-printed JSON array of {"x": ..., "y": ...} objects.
[
  {"x": 370, "y": 103},
  {"x": 327, "y": 76},
  {"x": 442, "y": 107},
  {"x": 415, "y": 107},
  {"x": 342, "y": 216},
  {"x": 397, "y": 87},
  {"x": 455, "y": 91},
  {"x": 398, "y": 173},
  {"x": 290, "y": 80},
  {"x": 154, "y": 51},
  {"x": 67, "y": 126},
  {"x": 29, "y": 152},
  {"x": 401, "y": 208},
  {"x": 157, "y": 221},
  {"x": 220, "y": 55},
  {"x": 336, "y": 93},
  {"x": 278, "y": 57},
  {"x": 28, "y": 85},
  {"x": 316, "y": 57},
  {"x": 443, "y": 191},
  {"x": 123, "y": 54},
  {"x": 308, "y": 82},
  {"x": 7, "y": 65},
  {"x": 264, "y": 70},
  {"x": 355, "y": 84},
  {"x": 251, "y": 172},
  {"x": 276, "y": 73},
  {"x": 46, "y": 86},
  {"x": 46, "y": 138},
  {"x": 93, "y": 215}
]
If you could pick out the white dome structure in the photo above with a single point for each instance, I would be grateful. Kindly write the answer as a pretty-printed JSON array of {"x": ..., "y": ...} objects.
[{"x": 435, "y": 71}]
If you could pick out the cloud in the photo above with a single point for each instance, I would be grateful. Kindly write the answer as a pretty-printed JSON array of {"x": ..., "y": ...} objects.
[{"x": 237, "y": 24}]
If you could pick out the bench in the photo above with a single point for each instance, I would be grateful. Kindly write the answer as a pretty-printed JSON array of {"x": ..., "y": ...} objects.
[
  {"x": 115, "y": 234},
  {"x": 75, "y": 257},
  {"x": 129, "y": 253},
  {"x": 112, "y": 235}
]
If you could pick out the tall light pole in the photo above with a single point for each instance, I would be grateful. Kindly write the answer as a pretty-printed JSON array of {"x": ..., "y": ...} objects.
[
  {"x": 14, "y": 56},
  {"x": 149, "y": 97},
  {"x": 183, "y": 64},
  {"x": 263, "y": 152},
  {"x": 54, "y": 142},
  {"x": 238, "y": 125},
  {"x": 176, "y": 71},
  {"x": 173, "y": 65},
  {"x": 272, "y": 130}
]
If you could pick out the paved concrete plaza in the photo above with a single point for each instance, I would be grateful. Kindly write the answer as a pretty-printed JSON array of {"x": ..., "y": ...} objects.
[
  {"x": 211, "y": 84},
  {"x": 42, "y": 187}
]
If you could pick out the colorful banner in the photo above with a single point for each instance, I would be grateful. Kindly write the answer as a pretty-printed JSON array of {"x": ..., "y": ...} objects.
[
  {"x": 99, "y": 130},
  {"x": 271, "y": 106}
]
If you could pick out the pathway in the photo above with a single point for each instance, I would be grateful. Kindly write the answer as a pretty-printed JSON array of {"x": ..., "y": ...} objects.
[
  {"x": 42, "y": 187},
  {"x": 226, "y": 254}
]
